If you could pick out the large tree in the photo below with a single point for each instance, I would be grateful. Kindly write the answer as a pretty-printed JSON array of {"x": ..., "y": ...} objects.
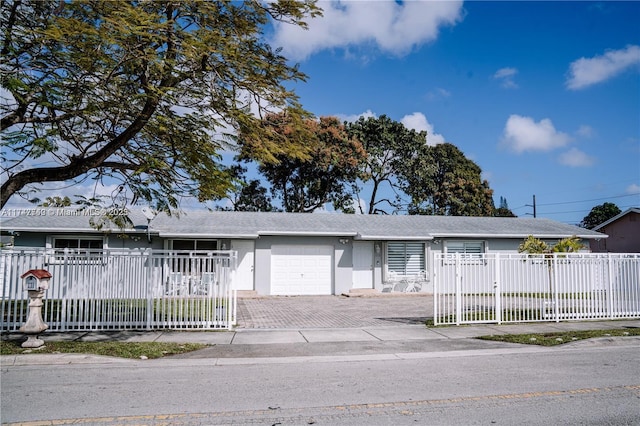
[
  {"x": 140, "y": 93},
  {"x": 445, "y": 182},
  {"x": 248, "y": 195},
  {"x": 320, "y": 174},
  {"x": 503, "y": 210},
  {"x": 600, "y": 214},
  {"x": 390, "y": 148}
]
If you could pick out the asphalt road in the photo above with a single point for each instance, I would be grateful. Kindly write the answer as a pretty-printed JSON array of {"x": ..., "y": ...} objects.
[{"x": 587, "y": 383}]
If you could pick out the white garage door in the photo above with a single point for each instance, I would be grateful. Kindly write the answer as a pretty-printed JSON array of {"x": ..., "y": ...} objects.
[{"x": 301, "y": 270}]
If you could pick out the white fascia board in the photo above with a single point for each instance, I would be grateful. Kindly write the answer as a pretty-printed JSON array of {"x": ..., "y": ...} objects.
[
  {"x": 308, "y": 233},
  {"x": 495, "y": 236},
  {"x": 73, "y": 230},
  {"x": 202, "y": 236},
  {"x": 393, "y": 238}
]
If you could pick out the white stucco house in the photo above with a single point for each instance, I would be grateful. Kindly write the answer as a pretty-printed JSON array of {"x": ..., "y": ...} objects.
[{"x": 296, "y": 253}]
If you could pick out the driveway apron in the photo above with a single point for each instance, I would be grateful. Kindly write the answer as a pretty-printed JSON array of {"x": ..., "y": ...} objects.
[{"x": 299, "y": 312}]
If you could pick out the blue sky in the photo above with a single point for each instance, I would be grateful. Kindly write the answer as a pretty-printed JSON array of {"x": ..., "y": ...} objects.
[{"x": 543, "y": 96}]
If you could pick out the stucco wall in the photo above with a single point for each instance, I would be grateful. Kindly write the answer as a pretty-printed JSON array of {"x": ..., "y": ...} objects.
[
  {"x": 29, "y": 240},
  {"x": 624, "y": 236}
]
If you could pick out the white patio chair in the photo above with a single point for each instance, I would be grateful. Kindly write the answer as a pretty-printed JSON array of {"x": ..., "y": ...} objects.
[
  {"x": 414, "y": 282},
  {"x": 388, "y": 286},
  {"x": 206, "y": 284},
  {"x": 176, "y": 284}
]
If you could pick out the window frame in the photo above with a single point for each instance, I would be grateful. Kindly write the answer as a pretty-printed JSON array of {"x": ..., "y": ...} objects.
[
  {"x": 422, "y": 260},
  {"x": 474, "y": 256},
  {"x": 58, "y": 254},
  {"x": 183, "y": 260}
]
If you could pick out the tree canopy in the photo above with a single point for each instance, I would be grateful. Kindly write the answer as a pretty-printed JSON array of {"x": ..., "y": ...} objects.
[
  {"x": 142, "y": 93},
  {"x": 390, "y": 149},
  {"x": 503, "y": 210},
  {"x": 248, "y": 195},
  {"x": 600, "y": 214},
  {"x": 445, "y": 182},
  {"x": 321, "y": 173}
]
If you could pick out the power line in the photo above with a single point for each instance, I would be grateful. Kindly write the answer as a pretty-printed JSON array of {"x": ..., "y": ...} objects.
[
  {"x": 582, "y": 211},
  {"x": 594, "y": 199},
  {"x": 575, "y": 202}
]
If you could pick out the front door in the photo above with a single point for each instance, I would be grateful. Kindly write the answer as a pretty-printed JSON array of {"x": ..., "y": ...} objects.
[
  {"x": 363, "y": 264},
  {"x": 244, "y": 273}
]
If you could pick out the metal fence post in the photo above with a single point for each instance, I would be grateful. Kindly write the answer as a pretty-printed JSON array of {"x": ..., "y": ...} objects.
[
  {"x": 609, "y": 294},
  {"x": 458, "y": 290},
  {"x": 435, "y": 290},
  {"x": 498, "y": 290},
  {"x": 556, "y": 302},
  {"x": 148, "y": 259}
]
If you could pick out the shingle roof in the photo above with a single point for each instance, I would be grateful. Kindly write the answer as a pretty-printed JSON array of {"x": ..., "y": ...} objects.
[{"x": 199, "y": 223}]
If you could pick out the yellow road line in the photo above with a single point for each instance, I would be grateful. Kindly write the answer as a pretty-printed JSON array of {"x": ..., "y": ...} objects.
[{"x": 158, "y": 419}]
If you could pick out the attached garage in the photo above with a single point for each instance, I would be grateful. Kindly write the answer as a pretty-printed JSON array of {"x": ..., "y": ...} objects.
[{"x": 301, "y": 270}]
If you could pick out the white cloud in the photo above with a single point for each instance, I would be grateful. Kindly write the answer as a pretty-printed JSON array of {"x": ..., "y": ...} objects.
[
  {"x": 585, "y": 131},
  {"x": 438, "y": 93},
  {"x": 360, "y": 205},
  {"x": 586, "y": 72},
  {"x": 354, "y": 117},
  {"x": 392, "y": 27},
  {"x": 417, "y": 121},
  {"x": 633, "y": 189},
  {"x": 506, "y": 75},
  {"x": 575, "y": 158},
  {"x": 524, "y": 134}
]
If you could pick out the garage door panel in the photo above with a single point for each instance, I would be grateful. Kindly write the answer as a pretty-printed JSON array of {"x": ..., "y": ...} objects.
[{"x": 301, "y": 270}]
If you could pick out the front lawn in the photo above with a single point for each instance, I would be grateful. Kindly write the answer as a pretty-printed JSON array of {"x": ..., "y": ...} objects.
[{"x": 134, "y": 350}]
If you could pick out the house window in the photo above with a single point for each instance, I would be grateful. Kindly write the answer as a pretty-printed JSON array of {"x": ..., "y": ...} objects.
[
  {"x": 405, "y": 258},
  {"x": 77, "y": 243},
  {"x": 192, "y": 263},
  {"x": 86, "y": 248},
  {"x": 467, "y": 249},
  {"x": 194, "y": 245}
]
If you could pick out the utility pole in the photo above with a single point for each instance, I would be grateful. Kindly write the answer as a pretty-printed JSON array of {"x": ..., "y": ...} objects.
[{"x": 533, "y": 205}]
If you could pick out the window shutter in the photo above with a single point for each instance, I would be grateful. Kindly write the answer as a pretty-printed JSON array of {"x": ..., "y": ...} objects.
[
  {"x": 405, "y": 258},
  {"x": 470, "y": 249}
]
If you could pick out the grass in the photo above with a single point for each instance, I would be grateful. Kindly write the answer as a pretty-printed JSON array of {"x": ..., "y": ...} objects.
[
  {"x": 134, "y": 350},
  {"x": 559, "y": 338},
  {"x": 488, "y": 315}
]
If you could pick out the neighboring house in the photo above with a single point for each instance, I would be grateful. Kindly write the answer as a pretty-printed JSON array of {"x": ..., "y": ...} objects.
[
  {"x": 623, "y": 231},
  {"x": 298, "y": 253}
]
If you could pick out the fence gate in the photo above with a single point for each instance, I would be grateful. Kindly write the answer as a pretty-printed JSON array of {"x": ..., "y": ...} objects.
[
  {"x": 123, "y": 289},
  {"x": 497, "y": 288}
]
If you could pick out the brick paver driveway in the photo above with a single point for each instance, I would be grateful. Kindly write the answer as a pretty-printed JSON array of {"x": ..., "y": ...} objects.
[{"x": 296, "y": 312}]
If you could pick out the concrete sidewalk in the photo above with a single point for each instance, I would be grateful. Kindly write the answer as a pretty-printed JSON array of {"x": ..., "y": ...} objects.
[{"x": 345, "y": 343}]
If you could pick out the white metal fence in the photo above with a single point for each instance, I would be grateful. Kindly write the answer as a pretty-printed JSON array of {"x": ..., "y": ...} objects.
[
  {"x": 122, "y": 289},
  {"x": 498, "y": 288}
]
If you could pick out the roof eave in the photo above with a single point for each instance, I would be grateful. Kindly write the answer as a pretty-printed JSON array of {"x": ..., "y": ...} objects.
[
  {"x": 394, "y": 237},
  {"x": 307, "y": 233},
  {"x": 77, "y": 230},
  {"x": 179, "y": 235},
  {"x": 494, "y": 236}
]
